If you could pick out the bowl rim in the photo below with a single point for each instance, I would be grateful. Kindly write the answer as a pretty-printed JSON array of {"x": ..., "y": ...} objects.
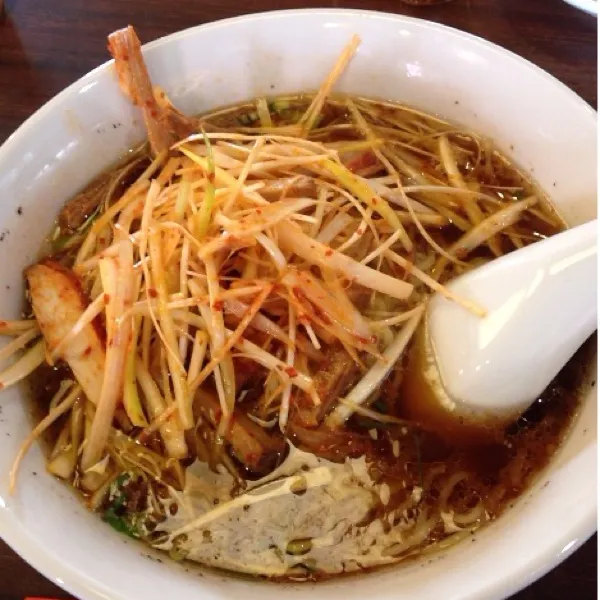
[
  {"x": 5, "y": 147},
  {"x": 80, "y": 584}
]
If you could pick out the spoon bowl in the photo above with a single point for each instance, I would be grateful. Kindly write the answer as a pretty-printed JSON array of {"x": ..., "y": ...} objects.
[{"x": 541, "y": 305}]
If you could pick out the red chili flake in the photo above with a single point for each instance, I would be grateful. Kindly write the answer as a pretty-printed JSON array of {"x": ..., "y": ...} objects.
[
  {"x": 362, "y": 340},
  {"x": 106, "y": 298},
  {"x": 211, "y": 177},
  {"x": 360, "y": 231},
  {"x": 218, "y": 305},
  {"x": 291, "y": 371},
  {"x": 374, "y": 201},
  {"x": 328, "y": 252},
  {"x": 152, "y": 293},
  {"x": 2, "y": 323},
  {"x": 251, "y": 458},
  {"x": 87, "y": 351},
  {"x": 258, "y": 211}
]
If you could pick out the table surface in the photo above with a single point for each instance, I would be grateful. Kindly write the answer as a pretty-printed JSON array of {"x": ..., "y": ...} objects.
[{"x": 47, "y": 44}]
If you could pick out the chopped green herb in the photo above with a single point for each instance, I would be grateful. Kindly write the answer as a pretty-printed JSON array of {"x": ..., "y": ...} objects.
[
  {"x": 202, "y": 218},
  {"x": 299, "y": 546},
  {"x": 279, "y": 105},
  {"x": 114, "y": 514},
  {"x": 89, "y": 220},
  {"x": 248, "y": 118},
  {"x": 178, "y": 551},
  {"x": 120, "y": 523},
  {"x": 62, "y": 242}
]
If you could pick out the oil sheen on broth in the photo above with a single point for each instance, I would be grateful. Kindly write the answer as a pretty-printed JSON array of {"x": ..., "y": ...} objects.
[{"x": 323, "y": 500}]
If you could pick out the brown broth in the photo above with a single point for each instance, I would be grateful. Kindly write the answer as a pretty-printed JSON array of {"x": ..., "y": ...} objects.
[{"x": 497, "y": 468}]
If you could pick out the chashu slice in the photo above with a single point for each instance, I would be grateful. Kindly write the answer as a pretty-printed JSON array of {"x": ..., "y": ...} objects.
[{"x": 58, "y": 302}]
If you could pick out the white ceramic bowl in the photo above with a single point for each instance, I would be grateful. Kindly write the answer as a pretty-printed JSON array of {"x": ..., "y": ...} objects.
[{"x": 535, "y": 119}]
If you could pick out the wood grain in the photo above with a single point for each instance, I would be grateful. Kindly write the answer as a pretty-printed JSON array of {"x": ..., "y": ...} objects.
[{"x": 47, "y": 44}]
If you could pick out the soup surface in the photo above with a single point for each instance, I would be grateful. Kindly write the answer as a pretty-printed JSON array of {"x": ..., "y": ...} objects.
[{"x": 219, "y": 330}]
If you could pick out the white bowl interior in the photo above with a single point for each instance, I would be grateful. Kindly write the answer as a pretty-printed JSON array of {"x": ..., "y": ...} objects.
[{"x": 545, "y": 128}]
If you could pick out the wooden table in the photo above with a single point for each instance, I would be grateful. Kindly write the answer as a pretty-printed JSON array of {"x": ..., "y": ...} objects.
[{"x": 47, "y": 44}]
